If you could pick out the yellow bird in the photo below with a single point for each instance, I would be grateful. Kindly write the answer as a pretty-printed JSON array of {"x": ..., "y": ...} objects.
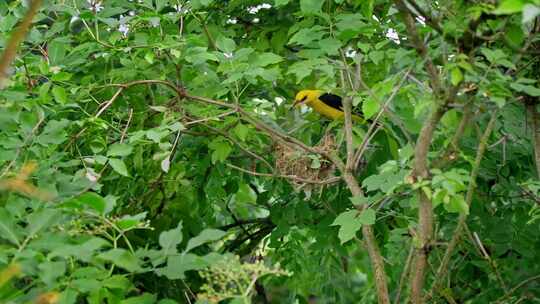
[{"x": 326, "y": 104}]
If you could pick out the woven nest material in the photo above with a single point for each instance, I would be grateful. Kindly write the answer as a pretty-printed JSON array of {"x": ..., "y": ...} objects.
[{"x": 295, "y": 162}]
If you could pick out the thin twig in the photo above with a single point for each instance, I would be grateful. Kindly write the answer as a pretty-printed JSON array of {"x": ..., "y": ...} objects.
[
  {"x": 518, "y": 286},
  {"x": 374, "y": 127},
  {"x": 486, "y": 256},
  {"x": 10, "y": 50},
  {"x": 210, "y": 118},
  {"x": 109, "y": 102},
  {"x": 124, "y": 132},
  {"x": 404, "y": 274},
  {"x": 295, "y": 178},
  {"x": 247, "y": 151}
]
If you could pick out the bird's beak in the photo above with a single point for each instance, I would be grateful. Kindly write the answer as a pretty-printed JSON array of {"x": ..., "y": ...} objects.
[{"x": 297, "y": 103}]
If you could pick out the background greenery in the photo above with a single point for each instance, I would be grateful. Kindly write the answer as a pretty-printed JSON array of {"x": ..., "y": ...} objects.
[{"x": 117, "y": 188}]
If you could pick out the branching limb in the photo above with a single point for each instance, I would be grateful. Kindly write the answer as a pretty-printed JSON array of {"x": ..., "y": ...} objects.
[
  {"x": 295, "y": 178},
  {"x": 420, "y": 47},
  {"x": 427, "y": 16},
  {"x": 443, "y": 267}
]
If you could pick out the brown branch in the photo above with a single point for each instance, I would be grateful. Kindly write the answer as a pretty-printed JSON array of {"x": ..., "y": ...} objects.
[
  {"x": 404, "y": 274},
  {"x": 425, "y": 211},
  {"x": 486, "y": 256},
  {"x": 109, "y": 102},
  {"x": 443, "y": 267},
  {"x": 367, "y": 231},
  {"x": 376, "y": 259},
  {"x": 124, "y": 132},
  {"x": 202, "y": 120},
  {"x": 347, "y": 104},
  {"x": 427, "y": 16},
  {"x": 420, "y": 47},
  {"x": 535, "y": 125},
  {"x": 295, "y": 178},
  {"x": 374, "y": 127},
  {"x": 17, "y": 37},
  {"x": 420, "y": 167}
]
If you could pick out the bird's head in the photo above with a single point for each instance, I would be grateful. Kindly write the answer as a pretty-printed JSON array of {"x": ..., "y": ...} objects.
[{"x": 306, "y": 97}]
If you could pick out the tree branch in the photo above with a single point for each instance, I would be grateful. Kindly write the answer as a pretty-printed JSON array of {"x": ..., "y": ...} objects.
[
  {"x": 535, "y": 125},
  {"x": 420, "y": 47},
  {"x": 443, "y": 267},
  {"x": 16, "y": 38},
  {"x": 291, "y": 177}
]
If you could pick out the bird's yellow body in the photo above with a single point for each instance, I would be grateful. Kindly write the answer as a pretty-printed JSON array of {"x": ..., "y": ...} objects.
[{"x": 326, "y": 104}]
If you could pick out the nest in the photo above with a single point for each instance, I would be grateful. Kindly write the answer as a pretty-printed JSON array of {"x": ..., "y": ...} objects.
[{"x": 308, "y": 169}]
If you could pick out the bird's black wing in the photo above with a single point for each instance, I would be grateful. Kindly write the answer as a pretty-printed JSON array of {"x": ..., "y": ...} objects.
[
  {"x": 332, "y": 100},
  {"x": 335, "y": 102}
]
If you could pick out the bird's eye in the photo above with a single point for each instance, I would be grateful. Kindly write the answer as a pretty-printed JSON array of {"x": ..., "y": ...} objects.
[{"x": 303, "y": 99}]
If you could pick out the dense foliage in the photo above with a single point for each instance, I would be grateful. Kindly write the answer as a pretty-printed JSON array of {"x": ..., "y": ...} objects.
[{"x": 149, "y": 152}]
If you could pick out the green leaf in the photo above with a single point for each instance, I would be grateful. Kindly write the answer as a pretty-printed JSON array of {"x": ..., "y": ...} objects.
[
  {"x": 149, "y": 57},
  {"x": 118, "y": 282},
  {"x": 281, "y": 2},
  {"x": 509, "y": 7},
  {"x": 54, "y": 132},
  {"x": 330, "y": 46},
  {"x": 456, "y": 76},
  {"x": 119, "y": 166},
  {"x": 359, "y": 200},
  {"x": 8, "y": 228},
  {"x": 225, "y": 44},
  {"x": 128, "y": 222},
  {"x": 168, "y": 240},
  {"x": 82, "y": 252},
  {"x": 457, "y": 204},
  {"x": 527, "y": 89},
  {"x": 245, "y": 194},
  {"x": 207, "y": 235},
  {"x": 241, "y": 131},
  {"x": 311, "y": 6},
  {"x": 60, "y": 94},
  {"x": 221, "y": 150},
  {"x": 177, "y": 265},
  {"x": 121, "y": 258},
  {"x": 370, "y": 107},
  {"x": 307, "y": 35},
  {"x": 367, "y": 217},
  {"x": 50, "y": 271},
  {"x": 56, "y": 51},
  {"x": 120, "y": 150},
  {"x": 146, "y": 298},
  {"x": 376, "y": 56},
  {"x": 42, "y": 219},
  {"x": 265, "y": 59},
  {"x": 93, "y": 200},
  {"x": 167, "y": 301},
  {"x": 349, "y": 225}
]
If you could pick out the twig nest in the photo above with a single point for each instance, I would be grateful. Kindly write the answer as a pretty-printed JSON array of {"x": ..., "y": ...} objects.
[{"x": 308, "y": 168}]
